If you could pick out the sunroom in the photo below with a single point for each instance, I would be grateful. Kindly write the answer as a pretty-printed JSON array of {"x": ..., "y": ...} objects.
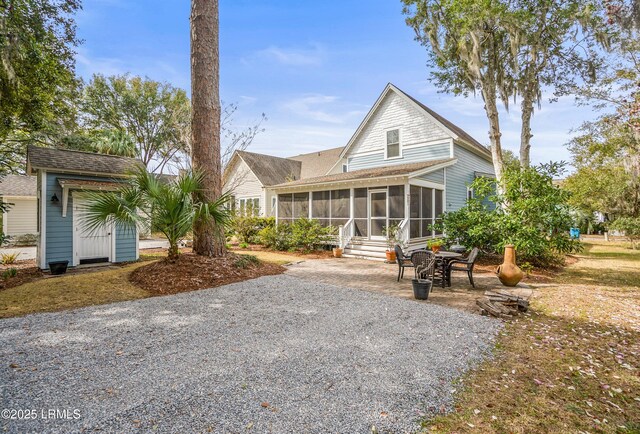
[{"x": 362, "y": 203}]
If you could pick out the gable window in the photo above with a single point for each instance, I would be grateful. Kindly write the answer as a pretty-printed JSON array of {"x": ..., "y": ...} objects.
[{"x": 393, "y": 143}]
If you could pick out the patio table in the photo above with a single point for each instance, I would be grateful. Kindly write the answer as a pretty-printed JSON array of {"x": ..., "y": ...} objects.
[{"x": 445, "y": 257}]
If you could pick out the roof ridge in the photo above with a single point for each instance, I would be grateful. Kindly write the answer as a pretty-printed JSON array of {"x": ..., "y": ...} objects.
[
  {"x": 81, "y": 152},
  {"x": 265, "y": 155}
]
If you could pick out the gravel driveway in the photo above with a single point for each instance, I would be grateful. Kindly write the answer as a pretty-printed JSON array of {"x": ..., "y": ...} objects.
[{"x": 276, "y": 354}]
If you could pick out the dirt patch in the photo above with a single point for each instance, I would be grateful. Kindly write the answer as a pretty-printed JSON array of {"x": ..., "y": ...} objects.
[
  {"x": 317, "y": 254},
  {"x": 191, "y": 272},
  {"x": 26, "y": 271}
]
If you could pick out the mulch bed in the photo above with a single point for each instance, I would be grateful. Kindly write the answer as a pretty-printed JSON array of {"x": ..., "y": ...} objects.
[
  {"x": 191, "y": 272},
  {"x": 317, "y": 254},
  {"x": 26, "y": 272}
]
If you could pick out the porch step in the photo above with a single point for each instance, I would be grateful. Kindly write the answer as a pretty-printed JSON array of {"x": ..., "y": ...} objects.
[
  {"x": 364, "y": 255},
  {"x": 366, "y": 249}
]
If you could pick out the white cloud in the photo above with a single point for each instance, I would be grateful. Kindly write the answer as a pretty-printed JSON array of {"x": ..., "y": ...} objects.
[
  {"x": 321, "y": 108},
  {"x": 314, "y": 56}
]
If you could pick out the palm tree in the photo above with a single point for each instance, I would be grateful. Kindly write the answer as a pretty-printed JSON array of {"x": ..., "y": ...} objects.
[
  {"x": 208, "y": 237},
  {"x": 172, "y": 207}
]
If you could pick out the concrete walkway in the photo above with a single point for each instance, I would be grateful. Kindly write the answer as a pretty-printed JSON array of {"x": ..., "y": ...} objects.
[
  {"x": 27, "y": 253},
  {"x": 381, "y": 277}
]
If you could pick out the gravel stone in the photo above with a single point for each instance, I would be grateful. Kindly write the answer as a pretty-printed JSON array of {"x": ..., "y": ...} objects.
[{"x": 275, "y": 354}]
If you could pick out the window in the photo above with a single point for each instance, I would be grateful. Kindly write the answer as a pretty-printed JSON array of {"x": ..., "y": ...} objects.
[
  {"x": 469, "y": 193},
  {"x": 393, "y": 143},
  {"x": 249, "y": 207},
  {"x": 345, "y": 168},
  {"x": 273, "y": 205},
  {"x": 425, "y": 208}
]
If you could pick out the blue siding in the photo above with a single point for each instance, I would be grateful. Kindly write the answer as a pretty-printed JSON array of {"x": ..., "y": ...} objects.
[
  {"x": 125, "y": 243},
  {"x": 59, "y": 230},
  {"x": 461, "y": 174},
  {"x": 437, "y": 176},
  {"x": 438, "y": 151}
]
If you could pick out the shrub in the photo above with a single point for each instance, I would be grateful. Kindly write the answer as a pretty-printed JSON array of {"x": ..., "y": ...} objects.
[
  {"x": 4, "y": 239},
  {"x": 9, "y": 258},
  {"x": 246, "y": 261},
  {"x": 631, "y": 228},
  {"x": 532, "y": 214},
  {"x": 276, "y": 237},
  {"x": 247, "y": 228},
  {"x": 307, "y": 234},
  {"x": 11, "y": 272}
]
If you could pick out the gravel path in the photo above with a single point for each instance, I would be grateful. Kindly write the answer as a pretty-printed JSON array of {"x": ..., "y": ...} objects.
[{"x": 276, "y": 354}]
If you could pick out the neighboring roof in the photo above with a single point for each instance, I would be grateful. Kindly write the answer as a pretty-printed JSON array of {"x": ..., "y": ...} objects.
[
  {"x": 447, "y": 125},
  {"x": 271, "y": 170},
  {"x": 78, "y": 162},
  {"x": 317, "y": 163},
  {"x": 18, "y": 185},
  {"x": 85, "y": 184},
  {"x": 376, "y": 172}
]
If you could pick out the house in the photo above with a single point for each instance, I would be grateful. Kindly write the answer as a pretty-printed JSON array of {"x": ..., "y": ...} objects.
[
  {"x": 250, "y": 176},
  {"x": 63, "y": 180},
  {"x": 20, "y": 192},
  {"x": 405, "y": 165}
]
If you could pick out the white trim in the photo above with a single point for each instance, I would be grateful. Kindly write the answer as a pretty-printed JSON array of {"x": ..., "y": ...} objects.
[
  {"x": 333, "y": 185},
  {"x": 42, "y": 245},
  {"x": 9, "y": 197},
  {"x": 84, "y": 172},
  {"x": 386, "y": 143},
  {"x": 137, "y": 235},
  {"x": 444, "y": 193},
  {"x": 432, "y": 168},
  {"x": 113, "y": 235},
  {"x": 370, "y": 217},
  {"x": 427, "y": 184}
]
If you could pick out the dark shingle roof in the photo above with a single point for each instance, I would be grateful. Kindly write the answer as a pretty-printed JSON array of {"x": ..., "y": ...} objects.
[
  {"x": 376, "y": 172},
  {"x": 317, "y": 163},
  {"x": 271, "y": 170},
  {"x": 78, "y": 162},
  {"x": 450, "y": 125},
  {"x": 18, "y": 185}
]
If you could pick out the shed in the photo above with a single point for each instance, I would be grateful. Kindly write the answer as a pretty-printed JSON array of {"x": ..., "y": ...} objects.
[{"x": 63, "y": 178}]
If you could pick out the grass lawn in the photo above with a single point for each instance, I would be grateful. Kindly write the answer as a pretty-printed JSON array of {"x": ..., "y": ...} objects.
[
  {"x": 71, "y": 291},
  {"x": 572, "y": 365},
  {"x": 273, "y": 257}
]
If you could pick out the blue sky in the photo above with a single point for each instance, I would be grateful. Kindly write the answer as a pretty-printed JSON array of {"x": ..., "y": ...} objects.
[{"x": 313, "y": 67}]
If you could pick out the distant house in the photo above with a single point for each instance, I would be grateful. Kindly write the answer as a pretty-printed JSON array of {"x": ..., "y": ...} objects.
[
  {"x": 63, "y": 180},
  {"x": 405, "y": 165},
  {"x": 20, "y": 192},
  {"x": 250, "y": 176}
]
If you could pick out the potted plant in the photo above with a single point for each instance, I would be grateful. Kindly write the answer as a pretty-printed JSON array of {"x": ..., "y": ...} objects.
[
  {"x": 391, "y": 234},
  {"x": 337, "y": 252},
  {"x": 435, "y": 245},
  {"x": 421, "y": 287}
]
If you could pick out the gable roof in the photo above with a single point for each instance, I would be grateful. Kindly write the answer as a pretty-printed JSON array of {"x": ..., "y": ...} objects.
[
  {"x": 317, "y": 163},
  {"x": 271, "y": 170},
  {"x": 455, "y": 131},
  {"x": 376, "y": 172},
  {"x": 18, "y": 185},
  {"x": 65, "y": 160}
]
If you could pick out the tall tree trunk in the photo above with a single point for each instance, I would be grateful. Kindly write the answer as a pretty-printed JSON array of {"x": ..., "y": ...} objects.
[
  {"x": 491, "y": 109},
  {"x": 525, "y": 131},
  {"x": 208, "y": 238}
]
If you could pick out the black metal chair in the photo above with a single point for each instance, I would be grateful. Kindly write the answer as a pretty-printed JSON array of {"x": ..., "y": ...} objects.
[
  {"x": 463, "y": 265},
  {"x": 403, "y": 261},
  {"x": 424, "y": 262}
]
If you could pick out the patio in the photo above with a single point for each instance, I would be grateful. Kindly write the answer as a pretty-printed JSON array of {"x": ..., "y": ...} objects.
[{"x": 381, "y": 277}]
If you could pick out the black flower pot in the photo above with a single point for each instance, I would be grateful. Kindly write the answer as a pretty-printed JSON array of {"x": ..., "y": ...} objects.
[
  {"x": 421, "y": 288},
  {"x": 58, "y": 267}
]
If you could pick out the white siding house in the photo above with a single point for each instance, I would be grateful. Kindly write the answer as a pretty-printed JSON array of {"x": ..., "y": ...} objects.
[{"x": 19, "y": 191}]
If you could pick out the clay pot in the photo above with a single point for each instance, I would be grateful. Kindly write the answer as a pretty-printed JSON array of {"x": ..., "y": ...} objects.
[
  {"x": 509, "y": 273},
  {"x": 436, "y": 249},
  {"x": 391, "y": 256},
  {"x": 337, "y": 252}
]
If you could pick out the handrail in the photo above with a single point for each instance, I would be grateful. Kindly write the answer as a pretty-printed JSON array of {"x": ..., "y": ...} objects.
[
  {"x": 345, "y": 233},
  {"x": 403, "y": 233}
]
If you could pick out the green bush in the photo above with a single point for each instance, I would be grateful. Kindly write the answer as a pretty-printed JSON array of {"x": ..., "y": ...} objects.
[
  {"x": 531, "y": 214},
  {"x": 25, "y": 240},
  {"x": 247, "y": 228},
  {"x": 246, "y": 261},
  {"x": 301, "y": 234},
  {"x": 631, "y": 228},
  {"x": 11, "y": 272}
]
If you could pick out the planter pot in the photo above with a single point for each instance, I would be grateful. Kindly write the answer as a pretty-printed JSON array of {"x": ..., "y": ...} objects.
[
  {"x": 391, "y": 256},
  {"x": 509, "y": 273},
  {"x": 337, "y": 252},
  {"x": 421, "y": 288},
  {"x": 435, "y": 249},
  {"x": 58, "y": 267}
]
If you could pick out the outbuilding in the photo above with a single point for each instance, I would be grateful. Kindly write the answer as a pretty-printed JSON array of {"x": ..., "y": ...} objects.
[{"x": 63, "y": 179}]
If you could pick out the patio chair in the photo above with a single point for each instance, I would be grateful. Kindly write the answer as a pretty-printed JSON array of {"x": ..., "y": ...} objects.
[
  {"x": 403, "y": 261},
  {"x": 464, "y": 265},
  {"x": 424, "y": 262}
]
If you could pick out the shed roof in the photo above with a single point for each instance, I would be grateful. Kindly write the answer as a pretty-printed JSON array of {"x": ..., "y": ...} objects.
[
  {"x": 18, "y": 185},
  {"x": 67, "y": 161},
  {"x": 363, "y": 174},
  {"x": 271, "y": 170},
  {"x": 317, "y": 163}
]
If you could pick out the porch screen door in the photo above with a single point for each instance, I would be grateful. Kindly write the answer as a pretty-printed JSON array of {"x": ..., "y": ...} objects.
[{"x": 377, "y": 213}]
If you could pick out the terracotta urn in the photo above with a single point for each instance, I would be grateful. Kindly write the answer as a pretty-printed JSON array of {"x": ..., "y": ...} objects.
[
  {"x": 509, "y": 273},
  {"x": 391, "y": 256},
  {"x": 337, "y": 252}
]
